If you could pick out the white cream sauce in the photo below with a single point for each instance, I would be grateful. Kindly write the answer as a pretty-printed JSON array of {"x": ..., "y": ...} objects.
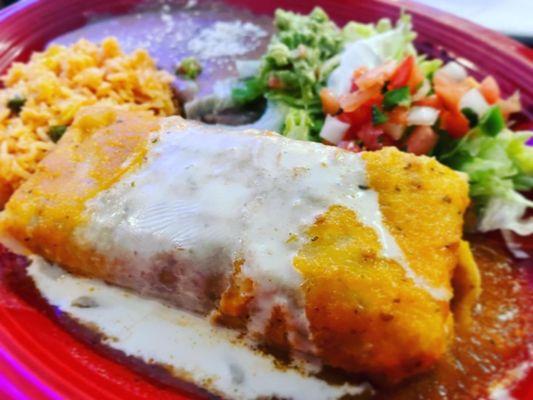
[
  {"x": 210, "y": 196},
  {"x": 211, "y": 357}
]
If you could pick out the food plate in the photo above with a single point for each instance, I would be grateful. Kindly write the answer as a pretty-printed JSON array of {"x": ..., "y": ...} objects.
[{"x": 38, "y": 359}]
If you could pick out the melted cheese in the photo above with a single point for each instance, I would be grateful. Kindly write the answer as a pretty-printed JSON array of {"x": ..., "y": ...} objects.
[
  {"x": 211, "y": 357},
  {"x": 49, "y": 206},
  {"x": 214, "y": 196}
]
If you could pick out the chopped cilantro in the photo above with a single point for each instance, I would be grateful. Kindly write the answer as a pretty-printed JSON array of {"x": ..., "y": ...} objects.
[
  {"x": 378, "y": 116},
  {"x": 396, "y": 97},
  {"x": 492, "y": 121}
]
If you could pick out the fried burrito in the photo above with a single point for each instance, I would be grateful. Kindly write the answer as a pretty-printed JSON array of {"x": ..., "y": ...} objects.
[{"x": 347, "y": 258}]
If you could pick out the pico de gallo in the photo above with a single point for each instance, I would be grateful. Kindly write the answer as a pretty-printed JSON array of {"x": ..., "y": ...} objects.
[
  {"x": 364, "y": 86},
  {"x": 399, "y": 104}
]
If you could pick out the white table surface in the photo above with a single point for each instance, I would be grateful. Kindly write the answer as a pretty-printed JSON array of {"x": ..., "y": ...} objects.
[{"x": 511, "y": 17}]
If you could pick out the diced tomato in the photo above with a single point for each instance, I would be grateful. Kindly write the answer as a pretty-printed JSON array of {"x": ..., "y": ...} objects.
[
  {"x": 451, "y": 92},
  {"x": 415, "y": 79},
  {"x": 349, "y": 145},
  {"x": 401, "y": 75},
  {"x": 450, "y": 95},
  {"x": 353, "y": 86},
  {"x": 407, "y": 74},
  {"x": 398, "y": 115},
  {"x": 330, "y": 104},
  {"x": 356, "y": 118},
  {"x": 352, "y": 101},
  {"x": 355, "y": 76},
  {"x": 490, "y": 90},
  {"x": 376, "y": 76},
  {"x": 351, "y": 134},
  {"x": 430, "y": 101},
  {"x": 359, "y": 72},
  {"x": 359, "y": 117},
  {"x": 369, "y": 135},
  {"x": 357, "y": 109},
  {"x": 393, "y": 131},
  {"x": 344, "y": 117},
  {"x": 455, "y": 123},
  {"x": 387, "y": 141},
  {"x": 422, "y": 140}
]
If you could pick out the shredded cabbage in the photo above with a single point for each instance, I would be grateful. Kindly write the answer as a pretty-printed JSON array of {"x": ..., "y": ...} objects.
[
  {"x": 370, "y": 46},
  {"x": 396, "y": 42},
  {"x": 498, "y": 168},
  {"x": 428, "y": 67},
  {"x": 394, "y": 45},
  {"x": 298, "y": 124},
  {"x": 507, "y": 213}
]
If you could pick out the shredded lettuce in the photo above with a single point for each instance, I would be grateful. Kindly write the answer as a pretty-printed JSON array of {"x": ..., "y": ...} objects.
[
  {"x": 429, "y": 67},
  {"x": 298, "y": 124},
  {"x": 498, "y": 166},
  {"x": 396, "y": 42},
  {"x": 379, "y": 46},
  {"x": 507, "y": 213},
  {"x": 353, "y": 30},
  {"x": 393, "y": 42}
]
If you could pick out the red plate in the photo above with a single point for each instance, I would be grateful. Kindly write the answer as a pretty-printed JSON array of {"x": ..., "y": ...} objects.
[{"x": 38, "y": 359}]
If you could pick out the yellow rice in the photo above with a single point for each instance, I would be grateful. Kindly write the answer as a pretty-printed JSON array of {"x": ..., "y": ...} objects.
[{"x": 57, "y": 83}]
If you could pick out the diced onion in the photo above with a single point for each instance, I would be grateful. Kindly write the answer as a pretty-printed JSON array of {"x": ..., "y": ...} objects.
[
  {"x": 333, "y": 130},
  {"x": 422, "y": 115},
  {"x": 454, "y": 71},
  {"x": 394, "y": 131},
  {"x": 474, "y": 100},
  {"x": 423, "y": 91}
]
